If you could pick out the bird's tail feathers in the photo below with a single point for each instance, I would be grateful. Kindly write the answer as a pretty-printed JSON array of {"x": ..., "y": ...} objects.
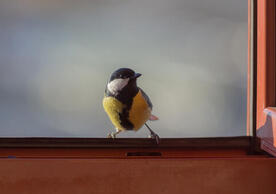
[{"x": 153, "y": 118}]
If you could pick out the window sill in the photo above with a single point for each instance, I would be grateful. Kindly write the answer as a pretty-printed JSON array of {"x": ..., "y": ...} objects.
[{"x": 223, "y": 147}]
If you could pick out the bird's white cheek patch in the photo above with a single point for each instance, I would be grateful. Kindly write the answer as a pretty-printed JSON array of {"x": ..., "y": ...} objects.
[{"x": 117, "y": 85}]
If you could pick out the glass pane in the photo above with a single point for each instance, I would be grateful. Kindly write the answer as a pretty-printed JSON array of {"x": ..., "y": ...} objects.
[{"x": 57, "y": 56}]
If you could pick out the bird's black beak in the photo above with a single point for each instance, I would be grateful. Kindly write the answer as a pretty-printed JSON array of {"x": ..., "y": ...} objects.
[{"x": 136, "y": 75}]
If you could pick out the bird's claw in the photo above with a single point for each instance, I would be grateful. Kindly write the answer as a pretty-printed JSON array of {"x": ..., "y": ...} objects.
[
  {"x": 111, "y": 135},
  {"x": 155, "y": 136}
]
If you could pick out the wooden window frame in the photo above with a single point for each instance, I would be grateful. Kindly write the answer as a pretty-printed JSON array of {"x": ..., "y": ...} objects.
[
  {"x": 259, "y": 104},
  {"x": 262, "y": 68}
]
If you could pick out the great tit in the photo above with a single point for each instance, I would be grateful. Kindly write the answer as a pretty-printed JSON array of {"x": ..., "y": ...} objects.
[{"x": 127, "y": 105}]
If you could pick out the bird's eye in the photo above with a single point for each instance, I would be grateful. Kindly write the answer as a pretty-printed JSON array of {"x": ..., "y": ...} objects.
[{"x": 123, "y": 76}]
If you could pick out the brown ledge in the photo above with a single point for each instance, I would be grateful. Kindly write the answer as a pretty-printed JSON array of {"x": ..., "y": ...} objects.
[{"x": 213, "y": 142}]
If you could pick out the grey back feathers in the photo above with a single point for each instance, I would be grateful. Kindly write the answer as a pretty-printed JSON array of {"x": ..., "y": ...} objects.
[{"x": 146, "y": 97}]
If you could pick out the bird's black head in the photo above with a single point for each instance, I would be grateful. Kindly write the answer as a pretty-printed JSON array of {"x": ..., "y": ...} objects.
[
  {"x": 122, "y": 79},
  {"x": 124, "y": 73}
]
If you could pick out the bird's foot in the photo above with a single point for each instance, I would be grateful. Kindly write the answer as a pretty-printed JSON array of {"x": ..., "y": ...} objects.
[
  {"x": 112, "y": 135},
  {"x": 155, "y": 136}
]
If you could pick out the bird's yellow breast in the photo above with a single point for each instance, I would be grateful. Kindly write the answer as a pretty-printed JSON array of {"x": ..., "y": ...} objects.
[
  {"x": 113, "y": 107},
  {"x": 139, "y": 112}
]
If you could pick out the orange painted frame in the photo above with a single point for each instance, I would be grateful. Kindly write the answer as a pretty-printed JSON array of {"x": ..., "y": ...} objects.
[{"x": 265, "y": 76}]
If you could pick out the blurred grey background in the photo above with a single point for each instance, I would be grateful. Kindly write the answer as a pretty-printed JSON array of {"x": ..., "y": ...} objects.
[{"x": 57, "y": 55}]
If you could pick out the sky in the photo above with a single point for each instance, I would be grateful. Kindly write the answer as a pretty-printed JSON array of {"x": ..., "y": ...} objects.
[{"x": 57, "y": 56}]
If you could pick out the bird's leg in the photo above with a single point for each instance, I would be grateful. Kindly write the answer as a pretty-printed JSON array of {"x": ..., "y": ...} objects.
[
  {"x": 153, "y": 135},
  {"x": 113, "y": 134}
]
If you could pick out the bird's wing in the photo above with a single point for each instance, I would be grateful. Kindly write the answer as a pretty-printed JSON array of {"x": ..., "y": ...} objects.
[
  {"x": 147, "y": 98},
  {"x": 152, "y": 117}
]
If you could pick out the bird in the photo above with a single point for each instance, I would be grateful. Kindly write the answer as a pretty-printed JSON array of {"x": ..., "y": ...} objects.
[{"x": 127, "y": 105}]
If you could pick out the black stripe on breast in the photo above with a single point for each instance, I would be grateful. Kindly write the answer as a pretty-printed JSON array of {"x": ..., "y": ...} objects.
[{"x": 124, "y": 120}]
